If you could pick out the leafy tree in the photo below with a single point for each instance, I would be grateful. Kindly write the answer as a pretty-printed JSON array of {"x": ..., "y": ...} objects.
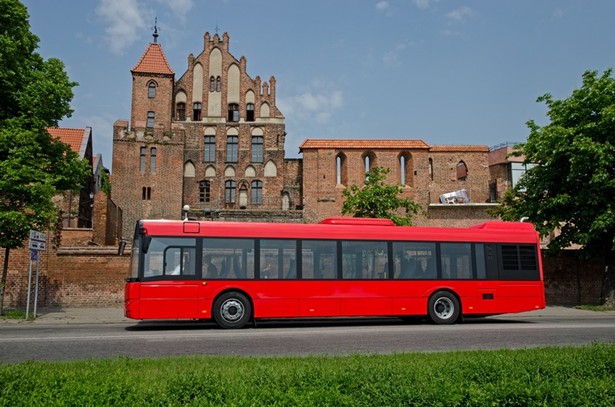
[
  {"x": 377, "y": 199},
  {"x": 572, "y": 187},
  {"x": 34, "y": 167}
]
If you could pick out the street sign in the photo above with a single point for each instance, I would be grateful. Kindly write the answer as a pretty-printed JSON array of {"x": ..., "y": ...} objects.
[{"x": 38, "y": 240}]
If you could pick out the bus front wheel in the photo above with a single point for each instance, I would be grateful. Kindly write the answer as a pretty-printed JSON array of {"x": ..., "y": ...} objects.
[
  {"x": 443, "y": 308},
  {"x": 232, "y": 310}
]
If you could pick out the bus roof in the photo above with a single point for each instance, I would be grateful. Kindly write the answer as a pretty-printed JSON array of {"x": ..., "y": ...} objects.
[{"x": 494, "y": 231}]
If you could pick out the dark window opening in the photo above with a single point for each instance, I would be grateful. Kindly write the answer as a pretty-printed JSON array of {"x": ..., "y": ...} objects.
[
  {"x": 250, "y": 112},
  {"x": 233, "y": 112},
  {"x": 151, "y": 90},
  {"x": 218, "y": 82},
  {"x": 142, "y": 159},
  {"x": 146, "y": 193},
  {"x": 181, "y": 111},
  {"x": 204, "y": 192},
  {"x": 196, "y": 111},
  {"x": 212, "y": 84}
]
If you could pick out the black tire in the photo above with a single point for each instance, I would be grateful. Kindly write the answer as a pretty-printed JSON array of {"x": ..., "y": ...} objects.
[
  {"x": 232, "y": 310},
  {"x": 443, "y": 308}
]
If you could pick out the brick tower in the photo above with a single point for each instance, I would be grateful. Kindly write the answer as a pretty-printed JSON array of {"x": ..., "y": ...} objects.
[{"x": 148, "y": 155}]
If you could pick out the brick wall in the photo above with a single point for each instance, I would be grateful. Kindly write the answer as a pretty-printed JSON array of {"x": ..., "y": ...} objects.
[{"x": 94, "y": 277}]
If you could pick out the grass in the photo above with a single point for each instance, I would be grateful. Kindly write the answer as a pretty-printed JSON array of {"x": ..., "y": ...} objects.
[
  {"x": 15, "y": 314},
  {"x": 555, "y": 376},
  {"x": 600, "y": 308}
]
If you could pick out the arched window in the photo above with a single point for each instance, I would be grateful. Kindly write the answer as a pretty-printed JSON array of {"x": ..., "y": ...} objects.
[
  {"x": 212, "y": 84},
  {"x": 151, "y": 90},
  {"x": 257, "y": 192},
  {"x": 230, "y": 191},
  {"x": 250, "y": 112},
  {"x": 369, "y": 161},
  {"x": 462, "y": 171},
  {"x": 431, "y": 169},
  {"x": 196, "y": 111},
  {"x": 405, "y": 169},
  {"x": 341, "y": 166},
  {"x": 204, "y": 192},
  {"x": 257, "y": 149},
  {"x": 152, "y": 159},
  {"x": 218, "y": 82},
  {"x": 181, "y": 111},
  {"x": 233, "y": 112},
  {"x": 150, "y": 119},
  {"x": 232, "y": 143}
]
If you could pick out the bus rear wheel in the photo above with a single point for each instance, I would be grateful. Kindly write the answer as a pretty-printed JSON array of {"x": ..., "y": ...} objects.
[
  {"x": 443, "y": 308},
  {"x": 232, "y": 310}
]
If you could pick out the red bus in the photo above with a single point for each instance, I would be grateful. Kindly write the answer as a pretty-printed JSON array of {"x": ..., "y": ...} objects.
[{"x": 236, "y": 272}]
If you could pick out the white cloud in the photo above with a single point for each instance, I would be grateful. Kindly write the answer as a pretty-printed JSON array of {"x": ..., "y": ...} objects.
[
  {"x": 391, "y": 58},
  {"x": 129, "y": 20},
  {"x": 311, "y": 104},
  {"x": 125, "y": 22},
  {"x": 424, "y": 4},
  {"x": 180, "y": 8},
  {"x": 382, "y": 5},
  {"x": 461, "y": 14}
]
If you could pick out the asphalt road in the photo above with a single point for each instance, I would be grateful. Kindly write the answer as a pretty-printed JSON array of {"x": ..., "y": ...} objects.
[{"x": 72, "y": 341}]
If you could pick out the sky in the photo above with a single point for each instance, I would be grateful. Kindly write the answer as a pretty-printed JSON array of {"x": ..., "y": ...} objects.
[{"x": 447, "y": 72}]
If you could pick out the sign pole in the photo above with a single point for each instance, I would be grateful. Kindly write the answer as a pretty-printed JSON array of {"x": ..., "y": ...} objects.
[
  {"x": 29, "y": 286},
  {"x": 38, "y": 263}
]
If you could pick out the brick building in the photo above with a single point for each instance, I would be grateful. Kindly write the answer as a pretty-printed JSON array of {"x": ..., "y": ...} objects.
[{"x": 212, "y": 139}]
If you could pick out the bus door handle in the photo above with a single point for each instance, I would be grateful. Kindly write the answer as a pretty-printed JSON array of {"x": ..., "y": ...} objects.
[{"x": 488, "y": 296}]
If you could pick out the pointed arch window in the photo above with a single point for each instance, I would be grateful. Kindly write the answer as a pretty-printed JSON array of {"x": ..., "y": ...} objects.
[
  {"x": 230, "y": 191},
  {"x": 462, "y": 171},
  {"x": 181, "y": 111},
  {"x": 233, "y": 112},
  {"x": 341, "y": 169},
  {"x": 204, "y": 192},
  {"x": 212, "y": 84},
  {"x": 196, "y": 111},
  {"x": 257, "y": 192},
  {"x": 151, "y": 90},
  {"x": 250, "y": 112},
  {"x": 218, "y": 84}
]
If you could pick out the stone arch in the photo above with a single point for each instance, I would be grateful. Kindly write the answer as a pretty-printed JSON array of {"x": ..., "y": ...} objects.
[
  {"x": 210, "y": 171},
  {"x": 250, "y": 172},
  {"x": 233, "y": 79},
  {"x": 189, "y": 169},
  {"x": 229, "y": 171},
  {"x": 265, "y": 110},
  {"x": 271, "y": 170}
]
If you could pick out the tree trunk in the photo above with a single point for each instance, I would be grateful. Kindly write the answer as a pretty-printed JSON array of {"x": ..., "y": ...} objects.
[
  {"x": 608, "y": 284},
  {"x": 5, "y": 272}
]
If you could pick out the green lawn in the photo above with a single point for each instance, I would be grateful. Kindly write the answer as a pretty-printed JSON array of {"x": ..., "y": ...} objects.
[{"x": 555, "y": 376}]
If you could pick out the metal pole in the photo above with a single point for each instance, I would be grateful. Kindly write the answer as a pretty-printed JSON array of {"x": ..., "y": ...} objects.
[
  {"x": 29, "y": 286},
  {"x": 38, "y": 263}
]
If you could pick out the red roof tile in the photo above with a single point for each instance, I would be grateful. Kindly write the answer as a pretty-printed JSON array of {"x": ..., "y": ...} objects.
[
  {"x": 153, "y": 61},
  {"x": 73, "y": 137},
  {"x": 461, "y": 148},
  {"x": 363, "y": 144}
]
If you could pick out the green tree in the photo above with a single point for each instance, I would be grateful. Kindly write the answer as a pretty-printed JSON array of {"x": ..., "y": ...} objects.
[
  {"x": 34, "y": 167},
  {"x": 377, "y": 199},
  {"x": 572, "y": 187}
]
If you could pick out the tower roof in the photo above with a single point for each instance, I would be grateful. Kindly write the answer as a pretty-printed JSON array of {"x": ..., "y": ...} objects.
[{"x": 153, "y": 61}]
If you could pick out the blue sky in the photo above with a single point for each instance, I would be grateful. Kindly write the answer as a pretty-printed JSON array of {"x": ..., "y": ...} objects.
[{"x": 444, "y": 71}]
